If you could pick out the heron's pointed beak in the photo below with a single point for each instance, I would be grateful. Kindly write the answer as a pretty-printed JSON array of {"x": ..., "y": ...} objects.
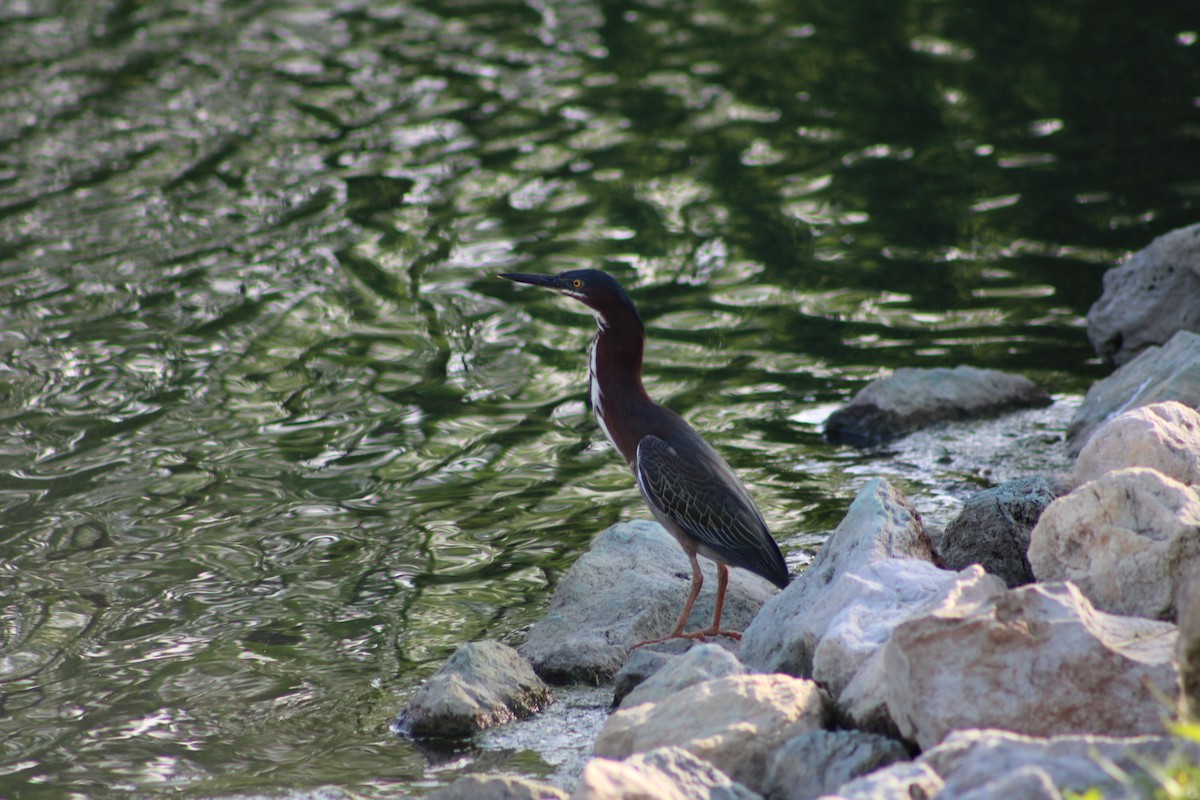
[{"x": 546, "y": 281}]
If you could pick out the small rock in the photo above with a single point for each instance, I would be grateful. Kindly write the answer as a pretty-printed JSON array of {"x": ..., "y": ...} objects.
[
  {"x": 904, "y": 780},
  {"x": 734, "y": 723},
  {"x": 641, "y": 664},
  {"x": 880, "y": 524},
  {"x": 993, "y": 529},
  {"x": 1188, "y": 652},
  {"x": 1038, "y": 660},
  {"x": 1149, "y": 298},
  {"x": 1160, "y": 436},
  {"x": 1124, "y": 539},
  {"x": 497, "y": 787},
  {"x": 628, "y": 587},
  {"x": 668, "y": 773},
  {"x": 912, "y": 398},
  {"x": 483, "y": 684},
  {"x": 821, "y": 761},
  {"x": 704, "y": 662},
  {"x": 1170, "y": 372}
]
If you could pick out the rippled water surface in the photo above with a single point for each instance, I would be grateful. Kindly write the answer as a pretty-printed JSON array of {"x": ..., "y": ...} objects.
[{"x": 275, "y": 439}]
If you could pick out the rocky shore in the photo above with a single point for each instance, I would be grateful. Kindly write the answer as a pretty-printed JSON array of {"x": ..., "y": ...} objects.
[{"x": 1040, "y": 643}]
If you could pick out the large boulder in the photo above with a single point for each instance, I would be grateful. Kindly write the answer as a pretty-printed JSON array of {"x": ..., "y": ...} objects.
[
  {"x": 734, "y": 723},
  {"x": 668, "y": 773},
  {"x": 913, "y": 397},
  {"x": 628, "y": 587},
  {"x": 483, "y": 684},
  {"x": 1158, "y": 374},
  {"x": 993, "y": 529},
  {"x": 1125, "y": 540},
  {"x": 818, "y": 762},
  {"x": 1162, "y": 436},
  {"x": 880, "y": 524},
  {"x": 1038, "y": 660},
  {"x": 1149, "y": 298}
]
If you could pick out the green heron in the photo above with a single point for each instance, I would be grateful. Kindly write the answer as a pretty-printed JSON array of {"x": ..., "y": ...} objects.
[{"x": 687, "y": 485}]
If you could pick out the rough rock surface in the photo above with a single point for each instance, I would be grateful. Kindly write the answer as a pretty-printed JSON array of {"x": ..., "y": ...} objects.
[
  {"x": 628, "y": 587},
  {"x": 993, "y": 529},
  {"x": 483, "y": 684},
  {"x": 704, "y": 662},
  {"x": 497, "y": 787},
  {"x": 818, "y": 762},
  {"x": 1125, "y": 540},
  {"x": 1038, "y": 660},
  {"x": 904, "y": 780},
  {"x": 972, "y": 760},
  {"x": 880, "y": 524},
  {"x": 734, "y": 723},
  {"x": 1160, "y": 436},
  {"x": 1170, "y": 372},
  {"x": 912, "y": 398},
  {"x": 668, "y": 773},
  {"x": 1149, "y": 298},
  {"x": 1188, "y": 652}
]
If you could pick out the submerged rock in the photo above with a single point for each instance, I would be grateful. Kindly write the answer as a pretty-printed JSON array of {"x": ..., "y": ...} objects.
[
  {"x": 668, "y": 773},
  {"x": 912, "y": 398},
  {"x": 481, "y": 685},
  {"x": 628, "y": 587},
  {"x": 1149, "y": 298},
  {"x": 819, "y": 762},
  {"x": 1161, "y": 436}
]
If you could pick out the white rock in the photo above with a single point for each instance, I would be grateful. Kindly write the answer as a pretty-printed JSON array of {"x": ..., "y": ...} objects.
[
  {"x": 821, "y": 761},
  {"x": 701, "y": 663},
  {"x": 1124, "y": 539},
  {"x": 906, "y": 780},
  {"x": 1162, "y": 436},
  {"x": 881, "y": 524},
  {"x": 1038, "y": 660},
  {"x": 668, "y": 773},
  {"x": 734, "y": 723}
]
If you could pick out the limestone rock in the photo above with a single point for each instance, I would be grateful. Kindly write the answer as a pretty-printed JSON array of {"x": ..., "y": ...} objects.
[
  {"x": 1161, "y": 436},
  {"x": 1149, "y": 298},
  {"x": 993, "y": 529},
  {"x": 821, "y": 761},
  {"x": 483, "y": 684},
  {"x": 734, "y": 723},
  {"x": 628, "y": 587},
  {"x": 704, "y": 662},
  {"x": 912, "y": 398},
  {"x": 497, "y": 787},
  {"x": 1038, "y": 660},
  {"x": 668, "y": 773},
  {"x": 1125, "y": 539},
  {"x": 904, "y": 780},
  {"x": 1170, "y": 372},
  {"x": 880, "y": 524}
]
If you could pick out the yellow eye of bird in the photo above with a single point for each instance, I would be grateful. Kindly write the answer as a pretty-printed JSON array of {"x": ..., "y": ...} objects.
[{"x": 577, "y": 283}]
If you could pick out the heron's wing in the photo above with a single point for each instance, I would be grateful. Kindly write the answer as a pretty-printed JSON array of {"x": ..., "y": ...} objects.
[{"x": 707, "y": 502}]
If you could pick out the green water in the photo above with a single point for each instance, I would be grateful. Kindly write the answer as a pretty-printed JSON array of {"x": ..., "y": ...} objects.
[{"x": 275, "y": 439}]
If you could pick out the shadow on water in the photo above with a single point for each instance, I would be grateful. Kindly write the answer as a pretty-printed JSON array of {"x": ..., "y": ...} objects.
[{"x": 276, "y": 440}]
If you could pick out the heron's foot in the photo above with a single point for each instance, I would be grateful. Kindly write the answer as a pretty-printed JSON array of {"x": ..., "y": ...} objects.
[{"x": 700, "y": 635}]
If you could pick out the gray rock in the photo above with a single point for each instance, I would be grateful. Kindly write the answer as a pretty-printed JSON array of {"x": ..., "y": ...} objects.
[
  {"x": 1030, "y": 782},
  {"x": 821, "y": 761},
  {"x": 993, "y": 529},
  {"x": 704, "y": 662},
  {"x": 904, "y": 780},
  {"x": 1188, "y": 651},
  {"x": 880, "y": 524},
  {"x": 497, "y": 787},
  {"x": 1170, "y": 372},
  {"x": 629, "y": 587},
  {"x": 483, "y": 684},
  {"x": 1149, "y": 298},
  {"x": 668, "y": 773},
  {"x": 912, "y": 398},
  {"x": 641, "y": 664}
]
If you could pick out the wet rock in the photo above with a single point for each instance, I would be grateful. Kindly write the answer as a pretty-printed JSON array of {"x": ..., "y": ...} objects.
[
  {"x": 818, "y": 762},
  {"x": 1149, "y": 298},
  {"x": 1038, "y": 660},
  {"x": 497, "y": 787},
  {"x": 1170, "y": 372},
  {"x": 1188, "y": 650},
  {"x": 630, "y": 586},
  {"x": 483, "y": 684},
  {"x": 912, "y": 398},
  {"x": 904, "y": 780},
  {"x": 1124, "y": 539},
  {"x": 993, "y": 529},
  {"x": 973, "y": 760},
  {"x": 668, "y": 773},
  {"x": 1160, "y": 436},
  {"x": 734, "y": 723},
  {"x": 704, "y": 662},
  {"x": 880, "y": 524}
]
